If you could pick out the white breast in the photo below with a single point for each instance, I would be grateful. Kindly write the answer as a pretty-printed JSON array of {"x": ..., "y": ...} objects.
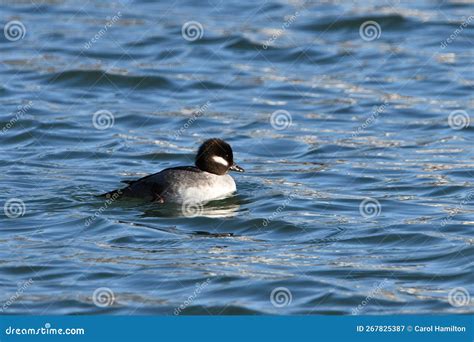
[{"x": 215, "y": 187}]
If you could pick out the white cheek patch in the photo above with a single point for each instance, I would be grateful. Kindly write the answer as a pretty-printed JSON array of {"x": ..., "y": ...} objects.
[{"x": 220, "y": 160}]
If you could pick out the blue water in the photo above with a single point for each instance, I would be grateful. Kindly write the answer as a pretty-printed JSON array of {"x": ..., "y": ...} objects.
[{"x": 357, "y": 144}]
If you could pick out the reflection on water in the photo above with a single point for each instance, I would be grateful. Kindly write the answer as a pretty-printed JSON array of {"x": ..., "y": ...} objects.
[{"x": 215, "y": 209}]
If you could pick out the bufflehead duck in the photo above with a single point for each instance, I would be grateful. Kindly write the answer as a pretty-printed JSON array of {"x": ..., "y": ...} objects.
[{"x": 207, "y": 180}]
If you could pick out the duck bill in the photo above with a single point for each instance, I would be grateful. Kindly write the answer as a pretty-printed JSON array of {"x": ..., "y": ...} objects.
[{"x": 237, "y": 168}]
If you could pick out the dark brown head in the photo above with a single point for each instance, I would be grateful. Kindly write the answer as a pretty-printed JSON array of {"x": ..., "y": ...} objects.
[{"x": 215, "y": 156}]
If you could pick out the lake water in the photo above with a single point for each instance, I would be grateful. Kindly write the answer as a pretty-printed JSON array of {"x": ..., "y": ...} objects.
[{"x": 352, "y": 119}]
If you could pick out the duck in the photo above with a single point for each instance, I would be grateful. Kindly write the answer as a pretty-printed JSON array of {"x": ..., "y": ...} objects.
[{"x": 208, "y": 179}]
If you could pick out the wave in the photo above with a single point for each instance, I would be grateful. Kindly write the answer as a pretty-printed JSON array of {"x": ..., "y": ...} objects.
[{"x": 100, "y": 78}]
